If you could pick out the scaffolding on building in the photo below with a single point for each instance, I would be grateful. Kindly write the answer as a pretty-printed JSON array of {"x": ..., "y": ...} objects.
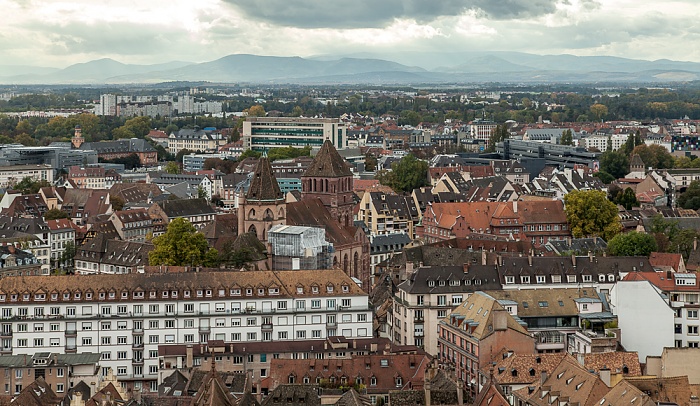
[{"x": 299, "y": 247}]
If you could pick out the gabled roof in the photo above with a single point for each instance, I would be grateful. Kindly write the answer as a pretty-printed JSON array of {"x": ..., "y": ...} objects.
[
  {"x": 186, "y": 207},
  {"x": 263, "y": 185},
  {"x": 328, "y": 163}
]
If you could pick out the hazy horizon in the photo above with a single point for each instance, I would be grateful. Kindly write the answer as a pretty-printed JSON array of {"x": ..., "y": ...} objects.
[{"x": 57, "y": 34}]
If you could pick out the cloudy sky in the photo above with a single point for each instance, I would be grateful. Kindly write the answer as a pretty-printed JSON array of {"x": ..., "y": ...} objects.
[{"x": 61, "y": 32}]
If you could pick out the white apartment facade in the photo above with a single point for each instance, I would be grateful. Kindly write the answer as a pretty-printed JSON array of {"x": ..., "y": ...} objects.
[
  {"x": 600, "y": 142},
  {"x": 11, "y": 175},
  {"x": 126, "y": 317}
]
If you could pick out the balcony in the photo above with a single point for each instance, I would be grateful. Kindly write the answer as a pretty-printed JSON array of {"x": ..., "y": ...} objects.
[
  {"x": 418, "y": 334},
  {"x": 331, "y": 324},
  {"x": 267, "y": 326},
  {"x": 137, "y": 345},
  {"x": 71, "y": 349},
  {"x": 71, "y": 332},
  {"x": 204, "y": 329},
  {"x": 6, "y": 333}
]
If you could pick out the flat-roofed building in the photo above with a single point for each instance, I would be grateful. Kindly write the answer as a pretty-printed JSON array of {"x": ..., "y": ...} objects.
[{"x": 263, "y": 133}]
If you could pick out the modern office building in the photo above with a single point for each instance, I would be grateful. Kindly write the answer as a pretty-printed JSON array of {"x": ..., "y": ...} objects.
[{"x": 263, "y": 133}]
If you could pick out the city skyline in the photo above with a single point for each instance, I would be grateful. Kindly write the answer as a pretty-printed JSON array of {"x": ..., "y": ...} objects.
[{"x": 61, "y": 33}]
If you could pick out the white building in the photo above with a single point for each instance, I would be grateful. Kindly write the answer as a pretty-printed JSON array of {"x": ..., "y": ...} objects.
[
  {"x": 11, "y": 175},
  {"x": 125, "y": 317},
  {"x": 263, "y": 133},
  {"x": 644, "y": 317},
  {"x": 600, "y": 142}
]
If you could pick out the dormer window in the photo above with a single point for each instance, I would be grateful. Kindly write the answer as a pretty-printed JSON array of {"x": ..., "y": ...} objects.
[
  {"x": 261, "y": 292},
  {"x": 431, "y": 284},
  {"x": 329, "y": 288},
  {"x": 101, "y": 295},
  {"x": 200, "y": 293},
  {"x": 346, "y": 288},
  {"x": 314, "y": 289},
  {"x": 25, "y": 296},
  {"x": 300, "y": 290}
]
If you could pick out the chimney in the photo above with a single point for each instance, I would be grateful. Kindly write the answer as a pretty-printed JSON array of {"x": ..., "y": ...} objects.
[
  {"x": 500, "y": 320},
  {"x": 483, "y": 257},
  {"x": 543, "y": 377},
  {"x": 190, "y": 358},
  {"x": 427, "y": 393},
  {"x": 580, "y": 358},
  {"x": 573, "y": 260},
  {"x": 137, "y": 395},
  {"x": 604, "y": 374},
  {"x": 354, "y": 343},
  {"x": 590, "y": 255},
  {"x": 529, "y": 258},
  {"x": 77, "y": 399},
  {"x": 465, "y": 267},
  {"x": 515, "y": 206},
  {"x": 460, "y": 392}
]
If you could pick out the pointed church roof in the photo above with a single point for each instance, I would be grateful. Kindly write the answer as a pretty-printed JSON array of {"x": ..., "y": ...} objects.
[
  {"x": 328, "y": 163},
  {"x": 636, "y": 161},
  {"x": 213, "y": 391},
  {"x": 263, "y": 185}
]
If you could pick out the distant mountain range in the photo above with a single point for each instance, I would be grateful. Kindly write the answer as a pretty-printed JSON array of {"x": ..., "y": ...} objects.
[{"x": 387, "y": 69}]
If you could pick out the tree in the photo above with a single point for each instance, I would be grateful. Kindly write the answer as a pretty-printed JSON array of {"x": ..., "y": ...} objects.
[
  {"x": 615, "y": 163},
  {"x": 55, "y": 214},
  {"x": 567, "y": 138},
  {"x": 407, "y": 174},
  {"x": 249, "y": 153},
  {"x": 68, "y": 255},
  {"x": 370, "y": 163},
  {"x": 172, "y": 168},
  {"x": 599, "y": 111},
  {"x": 182, "y": 245},
  {"x": 116, "y": 202},
  {"x": 201, "y": 193},
  {"x": 256, "y": 111},
  {"x": 604, "y": 177},
  {"x": 224, "y": 165},
  {"x": 626, "y": 198},
  {"x": 499, "y": 134},
  {"x": 690, "y": 199},
  {"x": 181, "y": 153},
  {"x": 632, "y": 141},
  {"x": 591, "y": 214},
  {"x": 654, "y": 156},
  {"x": 30, "y": 186},
  {"x": 632, "y": 244},
  {"x": 26, "y": 140}
]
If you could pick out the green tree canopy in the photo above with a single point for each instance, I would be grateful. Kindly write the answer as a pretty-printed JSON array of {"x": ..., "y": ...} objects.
[
  {"x": 256, "y": 111},
  {"x": 172, "y": 168},
  {"x": 182, "y": 245},
  {"x": 615, "y": 163},
  {"x": 249, "y": 153},
  {"x": 654, "y": 156},
  {"x": 626, "y": 198},
  {"x": 632, "y": 244},
  {"x": 55, "y": 214},
  {"x": 407, "y": 174},
  {"x": 567, "y": 138},
  {"x": 30, "y": 186},
  {"x": 690, "y": 199},
  {"x": 499, "y": 134},
  {"x": 590, "y": 214}
]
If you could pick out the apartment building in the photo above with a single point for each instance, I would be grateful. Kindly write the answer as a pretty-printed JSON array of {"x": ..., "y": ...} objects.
[
  {"x": 195, "y": 140},
  {"x": 87, "y": 178},
  {"x": 11, "y": 175},
  {"x": 428, "y": 296},
  {"x": 125, "y": 318},
  {"x": 388, "y": 214},
  {"x": 61, "y": 235},
  {"x": 600, "y": 142},
  {"x": 60, "y": 371},
  {"x": 132, "y": 225},
  {"x": 263, "y": 133},
  {"x": 473, "y": 334}
]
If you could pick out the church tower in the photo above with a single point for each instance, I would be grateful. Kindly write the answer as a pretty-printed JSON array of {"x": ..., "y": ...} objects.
[
  {"x": 77, "y": 139},
  {"x": 329, "y": 179},
  {"x": 264, "y": 205}
]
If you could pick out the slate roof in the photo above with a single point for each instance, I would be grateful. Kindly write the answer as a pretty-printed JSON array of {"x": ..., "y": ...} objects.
[
  {"x": 328, "y": 163},
  {"x": 119, "y": 146},
  {"x": 312, "y": 212},
  {"x": 293, "y": 395},
  {"x": 263, "y": 185},
  {"x": 443, "y": 279},
  {"x": 134, "y": 192},
  {"x": 186, "y": 207}
]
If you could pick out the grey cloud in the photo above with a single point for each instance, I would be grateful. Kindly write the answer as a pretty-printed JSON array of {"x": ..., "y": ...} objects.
[
  {"x": 379, "y": 13},
  {"x": 112, "y": 38}
]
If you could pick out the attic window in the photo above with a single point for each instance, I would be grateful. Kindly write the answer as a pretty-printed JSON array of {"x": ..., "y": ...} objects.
[
  {"x": 431, "y": 283},
  {"x": 346, "y": 288},
  {"x": 532, "y": 371}
]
